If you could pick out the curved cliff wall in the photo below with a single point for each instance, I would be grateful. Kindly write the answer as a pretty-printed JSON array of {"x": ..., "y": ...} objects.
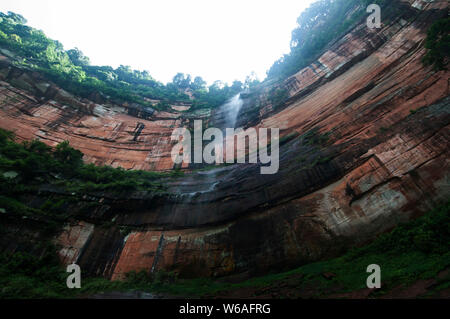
[
  {"x": 383, "y": 159},
  {"x": 108, "y": 134}
]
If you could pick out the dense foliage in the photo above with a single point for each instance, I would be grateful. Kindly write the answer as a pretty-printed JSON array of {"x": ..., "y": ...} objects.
[
  {"x": 72, "y": 71},
  {"x": 317, "y": 26},
  {"x": 25, "y": 166},
  {"x": 438, "y": 44},
  {"x": 413, "y": 251}
]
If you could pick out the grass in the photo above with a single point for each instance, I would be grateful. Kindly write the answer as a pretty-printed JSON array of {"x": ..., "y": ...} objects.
[
  {"x": 412, "y": 251},
  {"x": 314, "y": 137},
  {"x": 28, "y": 168},
  {"x": 289, "y": 137}
]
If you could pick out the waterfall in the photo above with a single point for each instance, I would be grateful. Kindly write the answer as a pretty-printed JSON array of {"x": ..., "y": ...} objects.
[
  {"x": 231, "y": 110},
  {"x": 202, "y": 182}
]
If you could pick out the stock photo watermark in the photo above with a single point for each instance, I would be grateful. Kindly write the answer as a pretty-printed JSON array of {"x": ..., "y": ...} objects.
[
  {"x": 222, "y": 150},
  {"x": 74, "y": 279},
  {"x": 374, "y": 19}
]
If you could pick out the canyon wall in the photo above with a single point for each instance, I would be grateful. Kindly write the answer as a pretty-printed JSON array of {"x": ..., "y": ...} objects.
[
  {"x": 108, "y": 134},
  {"x": 364, "y": 146}
]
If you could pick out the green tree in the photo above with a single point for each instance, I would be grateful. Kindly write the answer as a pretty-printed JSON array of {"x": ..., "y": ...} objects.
[
  {"x": 78, "y": 58},
  {"x": 16, "y": 38},
  {"x": 317, "y": 26},
  {"x": 251, "y": 80},
  {"x": 68, "y": 155},
  {"x": 199, "y": 83},
  {"x": 438, "y": 44}
]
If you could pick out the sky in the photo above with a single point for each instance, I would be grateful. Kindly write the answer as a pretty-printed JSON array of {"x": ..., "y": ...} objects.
[{"x": 216, "y": 39}]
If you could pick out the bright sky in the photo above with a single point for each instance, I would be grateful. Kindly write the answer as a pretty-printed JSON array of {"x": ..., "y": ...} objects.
[{"x": 216, "y": 39}]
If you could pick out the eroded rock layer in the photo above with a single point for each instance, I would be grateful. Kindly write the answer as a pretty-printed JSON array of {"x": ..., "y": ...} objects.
[
  {"x": 365, "y": 140},
  {"x": 108, "y": 134}
]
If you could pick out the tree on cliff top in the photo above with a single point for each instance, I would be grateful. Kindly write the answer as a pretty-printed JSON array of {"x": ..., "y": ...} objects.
[{"x": 317, "y": 26}]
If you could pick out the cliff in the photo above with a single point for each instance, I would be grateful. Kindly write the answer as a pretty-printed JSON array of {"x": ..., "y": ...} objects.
[{"x": 365, "y": 140}]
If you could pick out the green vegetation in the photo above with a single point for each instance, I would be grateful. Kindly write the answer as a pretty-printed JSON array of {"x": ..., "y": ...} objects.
[
  {"x": 289, "y": 137},
  {"x": 72, "y": 71},
  {"x": 24, "y": 169},
  {"x": 412, "y": 251},
  {"x": 320, "y": 24},
  {"x": 438, "y": 44},
  {"x": 215, "y": 95},
  {"x": 384, "y": 130},
  {"x": 312, "y": 152},
  {"x": 314, "y": 137},
  {"x": 415, "y": 250},
  {"x": 25, "y": 276}
]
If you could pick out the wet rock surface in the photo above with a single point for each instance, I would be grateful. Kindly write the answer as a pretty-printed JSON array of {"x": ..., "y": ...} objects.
[
  {"x": 125, "y": 295},
  {"x": 368, "y": 129}
]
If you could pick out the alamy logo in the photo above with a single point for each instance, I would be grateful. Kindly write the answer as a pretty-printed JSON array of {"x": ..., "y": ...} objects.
[
  {"x": 374, "y": 19},
  {"x": 374, "y": 280},
  {"x": 216, "y": 153},
  {"x": 74, "y": 280}
]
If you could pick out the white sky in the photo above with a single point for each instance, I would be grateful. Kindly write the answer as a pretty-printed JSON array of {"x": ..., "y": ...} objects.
[{"x": 216, "y": 39}]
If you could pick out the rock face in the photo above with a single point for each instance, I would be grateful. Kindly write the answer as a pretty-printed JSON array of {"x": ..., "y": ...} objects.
[
  {"x": 366, "y": 140},
  {"x": 108, "y": 134}
]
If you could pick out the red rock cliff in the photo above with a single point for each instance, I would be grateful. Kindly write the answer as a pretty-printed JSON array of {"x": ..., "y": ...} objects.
[{"x": 386, "y": 160}]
